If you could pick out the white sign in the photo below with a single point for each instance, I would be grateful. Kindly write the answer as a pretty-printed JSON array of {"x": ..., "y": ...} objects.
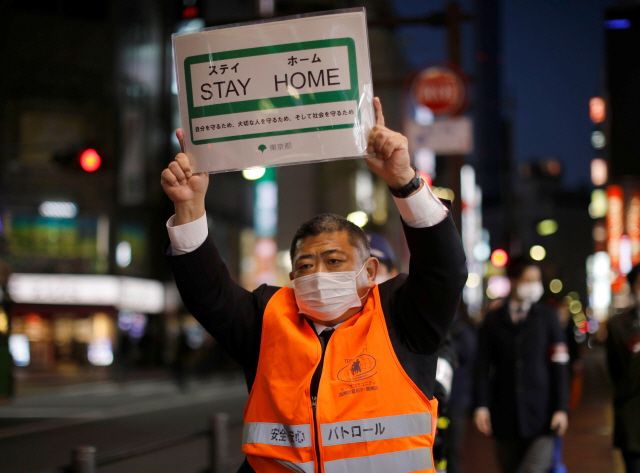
[
  {"x": 275, "y": 92},
  {"x": 141, "y": 295},
  {"x": 450, "y": 136}
]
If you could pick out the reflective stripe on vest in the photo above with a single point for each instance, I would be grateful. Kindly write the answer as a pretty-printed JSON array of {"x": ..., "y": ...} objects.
[
  {"x": 362, "y": 379},
  {"x": 377, "y": 428},
  {"x": 298, "y": 467},
  {"x": 277, "y": 434},
  {"x": 405, "y": 461}
]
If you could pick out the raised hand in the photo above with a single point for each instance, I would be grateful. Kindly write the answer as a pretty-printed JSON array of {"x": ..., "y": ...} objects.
[
  {"x": 184, "y": 188},
  {"x": 392, "y": 161}
]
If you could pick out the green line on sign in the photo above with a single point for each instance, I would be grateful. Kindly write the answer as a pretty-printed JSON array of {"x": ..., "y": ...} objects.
[
  {"x": 272, "y": 103},
  {"x": 275, "y": 133}
]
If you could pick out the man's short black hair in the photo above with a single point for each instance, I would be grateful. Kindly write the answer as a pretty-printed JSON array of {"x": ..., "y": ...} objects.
[
  {"x": 518, "y": 265},
  {"x": 633, "y": 275},
  {"x": 330, "y": 223}
]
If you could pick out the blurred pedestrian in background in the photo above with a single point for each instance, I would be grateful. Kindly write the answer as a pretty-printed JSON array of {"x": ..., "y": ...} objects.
[
  {"x": 576, "y": 367},
  {"x": 521, "y": 375},
  {"x": 623, "y": 355},
  {"x": 465, "y": 344},
  {"x": 182, "y": 355}
]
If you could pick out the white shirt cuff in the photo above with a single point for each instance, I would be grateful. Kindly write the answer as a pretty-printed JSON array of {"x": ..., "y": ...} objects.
[
  {"x": 422, "y": 209},
  {"x": 186, "y": 238}
]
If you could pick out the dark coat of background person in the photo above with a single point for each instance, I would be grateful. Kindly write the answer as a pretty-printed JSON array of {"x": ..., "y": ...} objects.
[
  {"x": 514, "y": 377},
  {"x": 465, "y": 343},
  {"x": 623, "y": 358},
  {"x": 418, "y": 307}
]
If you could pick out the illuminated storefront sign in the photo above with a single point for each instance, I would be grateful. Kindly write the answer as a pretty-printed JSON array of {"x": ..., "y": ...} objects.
[
  {"x": 142, "y": 295},
  {"x": 599, "y": 272}
]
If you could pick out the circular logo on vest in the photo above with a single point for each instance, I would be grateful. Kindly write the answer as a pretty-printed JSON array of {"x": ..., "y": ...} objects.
[{"x": 361, "y": 367}]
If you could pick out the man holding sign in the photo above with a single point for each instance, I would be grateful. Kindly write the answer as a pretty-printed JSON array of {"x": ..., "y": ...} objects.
[{"x": 341, "y": 371}]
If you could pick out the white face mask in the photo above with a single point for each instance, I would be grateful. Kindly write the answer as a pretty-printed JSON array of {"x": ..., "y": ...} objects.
[
  {"x": 326, "y": 296},
  {"x": 530, "y": 291}
]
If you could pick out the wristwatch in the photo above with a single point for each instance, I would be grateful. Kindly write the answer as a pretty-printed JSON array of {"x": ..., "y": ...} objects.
[{"x": 408, "y": 188}]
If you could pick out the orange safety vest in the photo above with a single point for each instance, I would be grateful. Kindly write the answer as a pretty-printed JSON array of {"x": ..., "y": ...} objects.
[{"x": 370, "y": 416}]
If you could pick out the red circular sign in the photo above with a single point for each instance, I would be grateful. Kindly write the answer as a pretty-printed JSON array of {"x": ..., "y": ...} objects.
[{"x": 441, "y": 90}]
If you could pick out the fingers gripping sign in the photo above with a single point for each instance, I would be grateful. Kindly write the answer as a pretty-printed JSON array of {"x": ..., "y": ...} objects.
[
  {"x": 392, "y": 161},
  {"x": 184, "y": 188}
]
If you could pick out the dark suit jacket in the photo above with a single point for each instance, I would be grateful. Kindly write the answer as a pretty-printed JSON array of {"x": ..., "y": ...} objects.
[
  {"x": 418, "y": 307},
  {"x": 514, "y": 375},
  {"x": 623, "y": 356}
]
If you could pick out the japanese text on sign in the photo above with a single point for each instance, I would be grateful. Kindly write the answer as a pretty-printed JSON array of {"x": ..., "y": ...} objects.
[{"x": 268, "y": 75}]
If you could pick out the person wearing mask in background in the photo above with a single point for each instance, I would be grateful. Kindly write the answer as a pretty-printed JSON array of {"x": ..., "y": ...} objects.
[
  {"x": 521, "y": 375},
  {"x": 623, "y": 356},
  {"x": 337, "y": 356}
]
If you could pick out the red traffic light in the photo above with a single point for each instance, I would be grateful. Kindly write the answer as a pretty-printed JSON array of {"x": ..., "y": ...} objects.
[
  {"x": 499, "y": 258},
  {"x": 189, "y": 12},
  {"x": 90, "y": 160}
]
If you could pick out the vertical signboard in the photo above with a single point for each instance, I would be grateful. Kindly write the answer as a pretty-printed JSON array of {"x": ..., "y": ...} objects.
[
  {"x": 633, "y": 226},
  {"x": 615, "y": 231},
  {"x": 471, "y": 196}
]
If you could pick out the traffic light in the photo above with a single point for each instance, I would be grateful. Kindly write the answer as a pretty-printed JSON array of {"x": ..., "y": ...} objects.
[
  {"x": 90, "y": 160},
  {"x": 79, "y": 159},
  {"x": 189, "y": 9}
]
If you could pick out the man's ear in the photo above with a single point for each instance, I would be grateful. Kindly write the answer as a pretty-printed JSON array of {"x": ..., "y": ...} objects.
[
  {"x": 371, "y": 266},
  {"x": 291, "y": 276}
]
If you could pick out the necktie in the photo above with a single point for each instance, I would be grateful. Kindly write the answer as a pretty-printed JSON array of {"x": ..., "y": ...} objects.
[{"x": 324, "y": 336}]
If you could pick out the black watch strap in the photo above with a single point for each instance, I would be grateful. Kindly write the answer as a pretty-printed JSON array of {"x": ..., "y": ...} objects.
[{"x": 409, "y": 188}]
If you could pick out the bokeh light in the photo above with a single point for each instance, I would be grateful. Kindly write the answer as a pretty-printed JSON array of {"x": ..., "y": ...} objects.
[
  {"x": 538, "y": 252},
  {"x": 547, "y": 227},
  {"x": 253, "y": 173},
  {"x": 90, "y": 160},
  {"x": 555, "y": 286},
  {"x": 499, "y": 258},
  {"x": 473, "y": 280},
  {"x": 358, "y": 218}
]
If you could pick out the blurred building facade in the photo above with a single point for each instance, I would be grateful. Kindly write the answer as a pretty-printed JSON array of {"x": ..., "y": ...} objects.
[
  {"x": 99, "y": 75},
  {"x": 552, "y": 225},
  {"x": 615, "y": 169}
]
